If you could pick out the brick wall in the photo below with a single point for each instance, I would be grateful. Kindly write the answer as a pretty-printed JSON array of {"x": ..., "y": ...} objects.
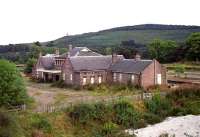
[
  {"x": 125, "y": 78},
  {"x": 149, "y": 75},
  {"x": 95, "y": 74},
  {"x": 67, "y": 71}
]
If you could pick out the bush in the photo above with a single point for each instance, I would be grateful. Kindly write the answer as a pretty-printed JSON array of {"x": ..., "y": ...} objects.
[
  {"x": 41, "y": 123},
  {"x": 101, "y": 111},
  {"x": 109, "y": 129},
  {"x": 29, "y": 65},
  {"x": 9, "y": 126},
  {"x": 158, "y": 105},
  {"x": 151, "y": 118},
  {"x": 12, "y": 88},
  {"x": 82, "y": 113},
  {"x": 126, "y": 115},
  {"x": 61, "y": 84},
  {"x": 185, "y": 92}
]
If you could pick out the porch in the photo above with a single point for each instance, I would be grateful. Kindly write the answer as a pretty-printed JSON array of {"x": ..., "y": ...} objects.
[{"x": 50, "y": 75}]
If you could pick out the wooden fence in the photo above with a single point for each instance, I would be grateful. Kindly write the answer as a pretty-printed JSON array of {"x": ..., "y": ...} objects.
[
  {"x": 49, "y": 108},
  {"x": 54, "y": 108},
  {"x": 16, "y": 108}
]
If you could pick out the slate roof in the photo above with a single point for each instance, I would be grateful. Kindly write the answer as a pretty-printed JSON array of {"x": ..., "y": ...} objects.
[
  {"x": 130, "y": 66},
  {"x": 47, "y": 62},
  {"x": 79, "y": 51},
  {"x": 88, "y": 63}
]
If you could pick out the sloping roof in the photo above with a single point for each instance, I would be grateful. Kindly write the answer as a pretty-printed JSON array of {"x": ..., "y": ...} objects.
[
  {"x": 82, "y": 51},
  {"x": 130, "y": 66},
  {"x": 47, "y": 62},
  {"x": 87, "y": 63}
]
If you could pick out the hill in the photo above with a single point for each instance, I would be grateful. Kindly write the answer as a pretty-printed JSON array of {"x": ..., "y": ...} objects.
[
  {"x": 137, "y": 36},
  {"x": 141, "y": 34}
]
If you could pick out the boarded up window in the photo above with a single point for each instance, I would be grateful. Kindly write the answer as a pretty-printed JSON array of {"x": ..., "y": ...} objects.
[
  {"x": 132, "y": 78},
  {"x": 120, "y": 77},
  {"x": 159, "y": 79},
  {"x": 71, "y": 77},
  {"x": 64, "y": 76},
  {"x": 84, "y": 81},
  {"x": 92, "y": 80},
  {"x": 114, "y": 77},
  {"x": 100, "y": 79}
]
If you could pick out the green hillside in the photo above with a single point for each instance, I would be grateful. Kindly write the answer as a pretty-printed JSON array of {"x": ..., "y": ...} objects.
[
  {"x": 141, "y": 34},
  {"x": 137, "y": 36}
]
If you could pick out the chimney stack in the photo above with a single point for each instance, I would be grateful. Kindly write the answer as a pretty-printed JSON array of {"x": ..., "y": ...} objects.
[
  {"x": 57, "y": 51},
  {"x": 137, "y": 57},
  {"x": 114, "y": 58},
  {"x": 70, "y": 47}
]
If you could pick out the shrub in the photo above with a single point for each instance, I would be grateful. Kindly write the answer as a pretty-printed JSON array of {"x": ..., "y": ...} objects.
[
  {"x": 29, "y": 65},
  {"x": 82, "y": 113},
  {"x": 12, "y": 88},
  {"x": 61, "y": 84},
  {"x": 185, "y": 92},
  {"x": 126, "y": 115},
  {"x": 41, "y": 123},
  {"x": 178, "y": 111},
  {"x": 9, "y": 126},
  {"x": 151, "y": 118},
  {"x": 101, "y": 111},
  {"x": 158, "y": 105},
  {"x": 109, "y": 129}
]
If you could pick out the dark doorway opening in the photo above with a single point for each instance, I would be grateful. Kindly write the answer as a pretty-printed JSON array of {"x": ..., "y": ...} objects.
[{"x": 57, "y": 77}]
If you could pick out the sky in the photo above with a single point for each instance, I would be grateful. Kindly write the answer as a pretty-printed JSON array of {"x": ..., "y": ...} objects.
[{"x": 24, "y": 21}]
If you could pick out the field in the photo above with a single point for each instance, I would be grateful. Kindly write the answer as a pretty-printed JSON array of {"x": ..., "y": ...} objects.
[
  {"x": 44, "y": 94},
  {"x": 101, "y": 119}
]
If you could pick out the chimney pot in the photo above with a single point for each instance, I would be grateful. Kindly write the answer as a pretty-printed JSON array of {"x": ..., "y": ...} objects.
[
  {"x": 137, "y": 57},
  {"x": 114, "y": 58}
]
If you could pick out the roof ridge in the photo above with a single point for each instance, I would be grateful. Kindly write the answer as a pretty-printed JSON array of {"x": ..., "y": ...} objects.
[{"x": 139, "y": 60}]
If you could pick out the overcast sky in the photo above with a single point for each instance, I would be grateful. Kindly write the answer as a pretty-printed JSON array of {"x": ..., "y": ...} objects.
[{"x": 24, "y": 21}]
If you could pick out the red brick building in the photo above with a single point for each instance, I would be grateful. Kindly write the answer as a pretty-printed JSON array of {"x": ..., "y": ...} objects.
[{"x": 81, "y": 66}]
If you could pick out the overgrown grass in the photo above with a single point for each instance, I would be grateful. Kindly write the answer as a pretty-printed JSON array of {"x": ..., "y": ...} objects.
[
  {"x": 100, "y": 119},
  {"x": 102, "y": 89}
]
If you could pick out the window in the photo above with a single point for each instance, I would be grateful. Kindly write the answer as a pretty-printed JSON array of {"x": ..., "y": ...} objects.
[
  {"x": 64, "y": 76},
  {"x": 132, "y": 78},
  {"x": 42, "y": 75},
  {"x": 114, "y": 77},
  {"x": 92, "y": 80},
  {"x": 84, "y": 81},
  {"x": 100, "y": 79},
  {"x": 120, "y": 77},
  {"x": 159, "y": 79},
  {"x": 71, "y": 77},
  {"x": 37, "y": 74}
]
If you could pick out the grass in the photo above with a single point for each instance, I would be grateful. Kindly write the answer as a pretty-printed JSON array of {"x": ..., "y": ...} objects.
[
  {"x": 107, "y": 120},
  {"x": 60, "y": 97}
]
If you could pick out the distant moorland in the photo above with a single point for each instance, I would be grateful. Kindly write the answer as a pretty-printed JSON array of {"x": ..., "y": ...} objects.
[{"x": 138, "y": 36}]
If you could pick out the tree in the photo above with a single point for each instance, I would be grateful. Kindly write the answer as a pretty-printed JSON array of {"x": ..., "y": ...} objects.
[
  {"x": 193, "y": 41},
  {"x": 34, "y": 51},
  {"x": 29, "y": 65},
  {"x": 160, "y": 49},
  {"x": 12, "y": 88}
]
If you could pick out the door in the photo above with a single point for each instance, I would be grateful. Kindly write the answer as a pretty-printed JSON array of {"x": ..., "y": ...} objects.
[{"x": 57, "y": 77}]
